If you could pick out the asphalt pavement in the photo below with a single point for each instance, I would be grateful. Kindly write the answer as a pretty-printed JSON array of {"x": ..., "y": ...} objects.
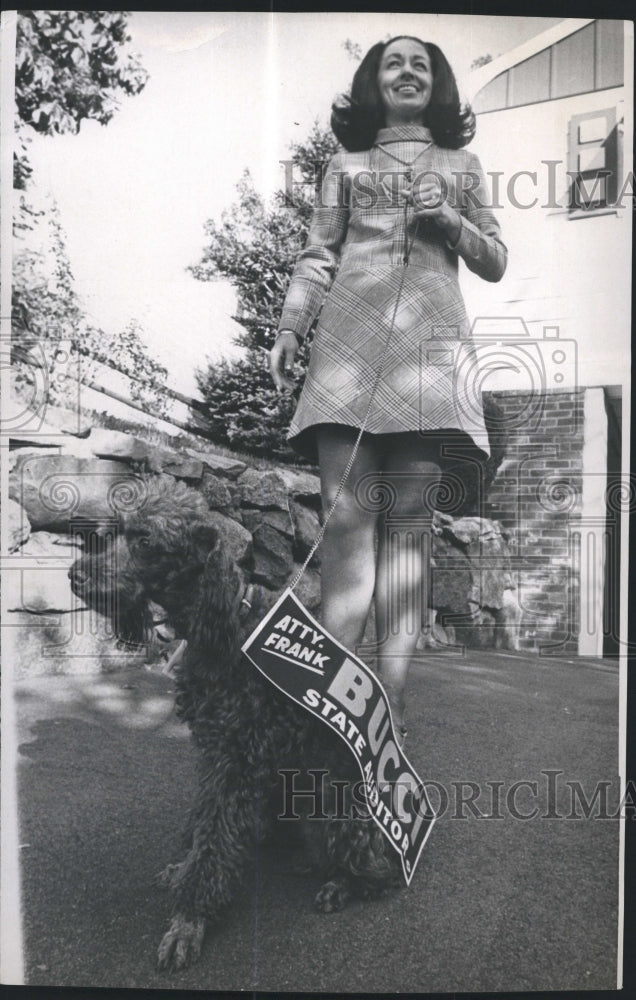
[{"x": 498, "y": 903}]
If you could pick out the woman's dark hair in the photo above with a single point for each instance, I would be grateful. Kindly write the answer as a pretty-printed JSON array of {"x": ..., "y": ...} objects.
[{"x": 355, "y": 120}]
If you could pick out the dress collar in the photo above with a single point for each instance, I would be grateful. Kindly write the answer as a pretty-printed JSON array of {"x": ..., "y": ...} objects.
[{"x": 404, "y": 133}]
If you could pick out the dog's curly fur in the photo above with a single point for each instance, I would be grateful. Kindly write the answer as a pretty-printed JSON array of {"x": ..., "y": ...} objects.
[{"x": 245, "y": 730}]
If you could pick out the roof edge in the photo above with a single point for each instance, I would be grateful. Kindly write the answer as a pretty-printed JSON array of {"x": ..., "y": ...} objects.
[{"x": 484, "y": 74}]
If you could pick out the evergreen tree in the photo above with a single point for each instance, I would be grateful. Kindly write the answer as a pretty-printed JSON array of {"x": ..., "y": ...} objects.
[{"x": 254, "y": 247}]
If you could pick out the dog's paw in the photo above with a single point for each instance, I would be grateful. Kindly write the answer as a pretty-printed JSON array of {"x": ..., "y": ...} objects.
[
  {"x": 181, "y": 944},
  {"x": 332, "y": 896}
]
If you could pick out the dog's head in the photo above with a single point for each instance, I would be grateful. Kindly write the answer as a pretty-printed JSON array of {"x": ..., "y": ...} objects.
[{"x": 156, "y": 555}]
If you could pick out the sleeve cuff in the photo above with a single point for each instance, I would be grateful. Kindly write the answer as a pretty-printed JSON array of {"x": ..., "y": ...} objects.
[
  {"x": 470, "y": 242},
  {"x": 455, "y": 245},
  {"x": 290, "y": 320},
  {"x": 288, "y": 328}
]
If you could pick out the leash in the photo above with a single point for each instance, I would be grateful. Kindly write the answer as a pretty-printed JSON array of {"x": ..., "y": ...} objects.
[
  {"x": 247, "y": 596},
  {"x": 376, "y": 382}
]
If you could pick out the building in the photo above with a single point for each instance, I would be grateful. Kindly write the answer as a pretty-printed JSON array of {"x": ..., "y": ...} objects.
[{"x": 554, "y": 135}]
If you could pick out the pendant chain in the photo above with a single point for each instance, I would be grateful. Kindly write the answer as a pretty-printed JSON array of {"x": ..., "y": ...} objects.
[
  {"x": 378, "y": 374},
  {"x": 405, "y": 163}
]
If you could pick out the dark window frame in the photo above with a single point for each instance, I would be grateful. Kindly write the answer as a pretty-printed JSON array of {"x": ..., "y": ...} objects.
[{"x": 579, "y": 205}]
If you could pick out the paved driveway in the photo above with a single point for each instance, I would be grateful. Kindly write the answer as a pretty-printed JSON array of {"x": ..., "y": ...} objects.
[{"x": 105, "y": 775}]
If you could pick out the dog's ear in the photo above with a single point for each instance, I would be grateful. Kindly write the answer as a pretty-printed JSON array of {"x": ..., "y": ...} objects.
[{"x": 204, "y": 539}]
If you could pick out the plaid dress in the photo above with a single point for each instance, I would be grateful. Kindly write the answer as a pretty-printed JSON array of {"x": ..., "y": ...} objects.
[{"x": 352, "y": 273}]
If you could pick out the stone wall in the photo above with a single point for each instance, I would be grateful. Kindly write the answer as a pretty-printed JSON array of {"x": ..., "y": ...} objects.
[{"x": 268, "y": 516}]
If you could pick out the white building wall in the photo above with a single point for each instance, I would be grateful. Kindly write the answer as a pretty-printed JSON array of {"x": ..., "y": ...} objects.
[
  {"x": 565, "y": 272},
  {"x": 573, "y": 274}
]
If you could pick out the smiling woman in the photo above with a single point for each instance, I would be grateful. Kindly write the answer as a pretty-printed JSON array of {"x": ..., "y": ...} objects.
[
  {"x": 405, "y": 81},
  {"x": 380, "y": 407},
  {"x": 380, "y": 96}
]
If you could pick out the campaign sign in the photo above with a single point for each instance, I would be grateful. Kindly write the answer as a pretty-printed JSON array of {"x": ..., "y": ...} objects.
[{"x": 296, "y": 654}]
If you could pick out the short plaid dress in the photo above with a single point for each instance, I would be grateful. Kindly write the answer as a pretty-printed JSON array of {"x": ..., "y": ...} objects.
[{"x": 351, "y": 272}]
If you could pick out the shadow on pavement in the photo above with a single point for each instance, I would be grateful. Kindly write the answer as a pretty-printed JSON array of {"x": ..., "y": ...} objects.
[{"x": 105, "y": 779}]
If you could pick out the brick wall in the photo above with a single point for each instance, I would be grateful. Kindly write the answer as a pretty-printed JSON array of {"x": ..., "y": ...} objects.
[{"x": 536, "y": 496}]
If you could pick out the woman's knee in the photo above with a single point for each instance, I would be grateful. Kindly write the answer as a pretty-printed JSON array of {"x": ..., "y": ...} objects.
[
  {"x": 414, "y": 496},
  {"x": 347, "y": 517}
]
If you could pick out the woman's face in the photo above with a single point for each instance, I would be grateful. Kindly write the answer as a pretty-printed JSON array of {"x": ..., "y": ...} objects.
[{"x": 405, "y": 81}]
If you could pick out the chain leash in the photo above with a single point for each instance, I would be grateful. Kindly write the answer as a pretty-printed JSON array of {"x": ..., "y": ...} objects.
[{"x": 376, "y": 382}]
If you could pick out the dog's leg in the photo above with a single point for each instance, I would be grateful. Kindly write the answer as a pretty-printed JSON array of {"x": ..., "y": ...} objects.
[
  {"x": 175, "y": 658},
  {"x": 181, "y": 944},
  {"x": 358, "y": 861},
  {"x": 333, "y": 895},
  {"x": 225, "y": 822},
  {"x": 202, "y": 885}
]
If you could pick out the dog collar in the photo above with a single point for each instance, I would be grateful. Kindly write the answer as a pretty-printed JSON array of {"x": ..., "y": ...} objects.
[{"x": 245, "y": 605}]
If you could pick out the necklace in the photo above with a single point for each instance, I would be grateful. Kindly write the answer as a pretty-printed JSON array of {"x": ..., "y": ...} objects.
[
  {"x": 409, "y": 180},
  {"x": 404, "y": 163}
]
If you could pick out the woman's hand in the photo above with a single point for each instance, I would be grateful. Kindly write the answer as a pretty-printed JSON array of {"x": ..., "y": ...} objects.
[
  {"x": 281, "y": 360},
  {"x": 429, "y": 200}
]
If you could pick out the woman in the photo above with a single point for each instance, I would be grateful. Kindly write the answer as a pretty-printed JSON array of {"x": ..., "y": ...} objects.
[{"x": 392, "y": 341}]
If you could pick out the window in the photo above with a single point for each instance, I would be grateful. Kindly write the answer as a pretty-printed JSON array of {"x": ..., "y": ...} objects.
[
  {"x": 493, "y": 96},
  {"x": 609, "y": 54},
  {"x": 530, "y": 80},
  {"x": 573, "y": 63},
  {"x": 593, "y": 160},
  {"x": 589, "y": 59}
]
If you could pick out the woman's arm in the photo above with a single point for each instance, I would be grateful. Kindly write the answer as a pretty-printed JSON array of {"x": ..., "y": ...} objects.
[
  {"x": 315, "y": 269},
  {"x": 469, "y": 226},
  {"x": 475, "y": 235},
  {"x": 316, "y": 264}
]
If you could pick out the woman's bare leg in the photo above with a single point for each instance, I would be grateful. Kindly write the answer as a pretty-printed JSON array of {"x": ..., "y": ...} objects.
[
  {"x": 403, "y": 568},
  {"x": 348, "y": 559}
]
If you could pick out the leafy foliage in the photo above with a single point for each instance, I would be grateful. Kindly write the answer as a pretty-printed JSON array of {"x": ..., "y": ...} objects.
[
  {"x": 481, "y": 61},
  {"x": 128, "y": 354},
  {"x": 244, "y": 410},
  {"x": 71, "y": 65},
  {"x": 255, "y": 247},
  {"x": 47, "y": 312},
  {"x": 353, "y": 49},
  {"x": 45, "y": 308}
]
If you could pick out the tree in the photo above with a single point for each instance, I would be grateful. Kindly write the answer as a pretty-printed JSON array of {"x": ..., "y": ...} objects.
[
  {"x": 47, "y": 313},
  {"x": 71, "y": 65},
  {"x": 128, "y": 354},
  {"x": 255, "y": 247},
  {"x": 353, "y": 49},
  {"x": 45, "y": 308},
  {"x": 481, "y": 61},
  {"x": 244, "y": 410}
]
